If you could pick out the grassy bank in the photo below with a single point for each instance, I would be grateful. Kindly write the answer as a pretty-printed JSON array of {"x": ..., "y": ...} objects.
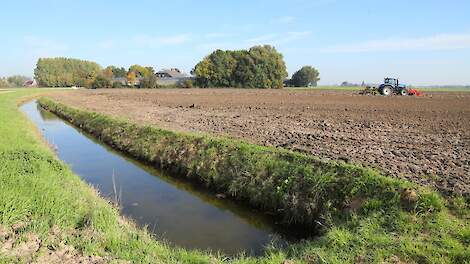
[
  {"x": 42, "y": 200},
  {"x": 363, "y": 216}
]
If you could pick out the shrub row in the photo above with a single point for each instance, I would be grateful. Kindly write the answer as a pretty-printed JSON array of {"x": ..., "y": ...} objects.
[{"x": 298, "y": 188}]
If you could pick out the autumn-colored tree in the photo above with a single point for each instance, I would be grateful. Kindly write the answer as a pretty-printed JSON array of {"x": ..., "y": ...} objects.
[
  {"x": 117, "y": 72},
  {"x": 141, "y": 71},
  {"x": 108, "y": 72},
  {"x": 131, "y": 78}
]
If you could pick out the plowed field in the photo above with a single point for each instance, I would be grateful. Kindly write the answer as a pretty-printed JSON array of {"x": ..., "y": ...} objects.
[{"x": 423, "y": 139}]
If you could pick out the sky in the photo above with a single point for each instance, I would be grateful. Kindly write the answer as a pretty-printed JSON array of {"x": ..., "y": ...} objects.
[{"x": 422, "y": 42}]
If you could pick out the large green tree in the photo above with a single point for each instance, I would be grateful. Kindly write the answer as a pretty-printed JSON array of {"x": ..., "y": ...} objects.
[
  {"x": 216, "y": 69},
  {"x": 258, "y": 67},
  {"x": 307, "y": 76},
  {"x": 66, "y": 72}
]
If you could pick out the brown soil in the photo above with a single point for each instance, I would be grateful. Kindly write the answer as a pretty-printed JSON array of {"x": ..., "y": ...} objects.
[{"x": 423, "y": 139}]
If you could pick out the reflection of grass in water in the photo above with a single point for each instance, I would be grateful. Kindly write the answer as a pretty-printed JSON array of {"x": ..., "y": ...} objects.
[{"x": 45, "y": 115}]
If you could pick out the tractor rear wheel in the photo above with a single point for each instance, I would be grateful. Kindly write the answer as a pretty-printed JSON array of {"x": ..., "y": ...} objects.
[
  {"x": 386, "y": 91},
  {"x": 404, "y": 92}
]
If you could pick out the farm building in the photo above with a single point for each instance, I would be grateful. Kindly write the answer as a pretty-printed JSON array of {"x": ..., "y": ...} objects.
[
  {"x": 171, "y": 77},
  {"x": 30, "y": 83}
]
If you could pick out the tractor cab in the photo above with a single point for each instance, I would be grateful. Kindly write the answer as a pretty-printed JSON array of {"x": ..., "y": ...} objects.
[{"x": 391, "y": 81}]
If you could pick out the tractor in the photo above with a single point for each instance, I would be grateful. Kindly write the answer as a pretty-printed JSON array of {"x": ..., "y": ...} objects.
[{"x": 392, "y": 86}]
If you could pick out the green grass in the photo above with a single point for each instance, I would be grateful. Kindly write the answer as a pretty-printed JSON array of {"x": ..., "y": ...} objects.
[{"x": 39, "y": 190}]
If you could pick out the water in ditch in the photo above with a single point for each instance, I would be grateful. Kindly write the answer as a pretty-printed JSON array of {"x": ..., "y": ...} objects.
[{"x": 174, "y": 210}]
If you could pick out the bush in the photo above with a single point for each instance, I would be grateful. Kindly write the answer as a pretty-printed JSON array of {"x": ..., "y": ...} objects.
[
  {"x": 186, "y": 84},
  {"x": 102, "y": 82},
  {"x": 150, "y": 82},
  {"x": 118, "y": 85}
]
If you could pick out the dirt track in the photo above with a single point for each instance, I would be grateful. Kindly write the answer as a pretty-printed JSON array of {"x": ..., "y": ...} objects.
[{"x": 426, "y": 140}]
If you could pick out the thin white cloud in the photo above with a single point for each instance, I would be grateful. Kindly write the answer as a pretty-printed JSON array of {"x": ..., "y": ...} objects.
[
  {"x": 207, "y": 47},
  {"x": 283, "y": 38},
  {"x": 296, "y": 35},
  {"x": 261, "y": 39},
  {"x": 285, "y": 20},
  {"x": 436, "y": 42},
  {"x": 174, "y": 40},
  {"x": 107, "y": 44},
  {"x": 147, "y": 40},
  {"x": 218, "y": 35},
  {"x": 279, "y": 39}
]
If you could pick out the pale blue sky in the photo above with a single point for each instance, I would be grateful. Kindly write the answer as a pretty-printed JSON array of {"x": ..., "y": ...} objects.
[{"x": 421, "y": 41}]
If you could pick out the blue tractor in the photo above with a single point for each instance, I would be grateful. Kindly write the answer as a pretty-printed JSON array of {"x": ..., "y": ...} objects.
[{"x": 392, "y": 86}]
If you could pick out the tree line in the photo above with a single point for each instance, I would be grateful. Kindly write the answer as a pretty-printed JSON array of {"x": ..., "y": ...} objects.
[
  {"x": 67, "y": 72},
  {"x": 257, "y": 67}
]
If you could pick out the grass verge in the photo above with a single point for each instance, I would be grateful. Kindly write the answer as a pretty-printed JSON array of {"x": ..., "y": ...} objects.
[{"x": 40, "y": 195}]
